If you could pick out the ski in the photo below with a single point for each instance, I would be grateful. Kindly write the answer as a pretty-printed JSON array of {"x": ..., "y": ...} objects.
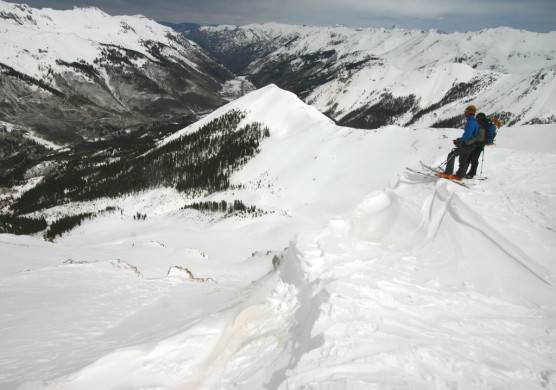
[
  {"x": 421, "y": 173},
  {"x": 437, "y": 170},
  {"x": 432, "y": 169},
  {"x": 436, "y": 177}
]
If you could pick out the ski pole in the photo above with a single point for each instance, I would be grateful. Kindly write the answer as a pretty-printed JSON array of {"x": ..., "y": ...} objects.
[
  {"x": 443, "y": 164},
  {"x": 445, "y": 161},
  {"x": 482, "y": 162}
]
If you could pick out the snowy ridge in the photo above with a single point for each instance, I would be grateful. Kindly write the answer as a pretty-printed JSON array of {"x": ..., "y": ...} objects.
[
  {"x": 82, "y": 73},
  {"x": 353, "y": 73},
  {"x": 521, "y": 51},
  {"x": 363, "y": 277},
  {"x": 34, "y": 39},
  {"x": 265, "y": 105},
  {"x": 29, "y": 134}
]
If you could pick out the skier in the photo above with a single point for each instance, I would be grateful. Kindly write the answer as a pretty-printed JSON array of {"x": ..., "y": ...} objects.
[
  {"x": 464, "y": 146},
  {"x": 490, "y": 126}
]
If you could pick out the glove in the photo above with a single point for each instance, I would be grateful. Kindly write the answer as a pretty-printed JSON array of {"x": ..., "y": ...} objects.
[{"x": 457, "y": 142}]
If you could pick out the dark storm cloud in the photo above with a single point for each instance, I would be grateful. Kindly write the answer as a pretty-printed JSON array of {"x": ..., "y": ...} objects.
[{"x": 535, "y": 15}]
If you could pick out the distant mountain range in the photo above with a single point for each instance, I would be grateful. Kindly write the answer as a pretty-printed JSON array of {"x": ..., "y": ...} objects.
[
  {"x": 373, "y": 77},
  {"x": 81, "y": 73}
]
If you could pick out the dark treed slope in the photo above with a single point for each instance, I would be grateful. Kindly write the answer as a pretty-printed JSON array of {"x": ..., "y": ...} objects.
[{"x": 200, "y": 162}]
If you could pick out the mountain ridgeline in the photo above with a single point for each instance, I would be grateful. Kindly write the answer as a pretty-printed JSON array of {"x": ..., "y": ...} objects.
[
  {"x": 83, "y": 74},
  {"x": 372, "y": 77}
]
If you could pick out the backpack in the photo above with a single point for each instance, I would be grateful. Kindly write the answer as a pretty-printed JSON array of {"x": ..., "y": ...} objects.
[
  {"x": 491, "y": 130},
  {"x": 483, "y": 121}
]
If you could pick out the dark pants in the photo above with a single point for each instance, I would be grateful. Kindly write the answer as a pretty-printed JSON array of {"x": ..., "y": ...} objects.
[
  {"x": 464, "y": 152},
  {"x": 474, "y": 159}
]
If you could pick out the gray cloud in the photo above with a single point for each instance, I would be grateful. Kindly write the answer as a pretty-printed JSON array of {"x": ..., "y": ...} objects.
[{"x": 534, "y": 15}]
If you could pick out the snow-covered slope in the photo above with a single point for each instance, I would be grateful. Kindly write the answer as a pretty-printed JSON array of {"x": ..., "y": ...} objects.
[
  {"x": 304, "y": 137},
  {"x": 375, "y": 76},
  {"x": 66, "y": 69},
  {"x": 357, "y": 276}
]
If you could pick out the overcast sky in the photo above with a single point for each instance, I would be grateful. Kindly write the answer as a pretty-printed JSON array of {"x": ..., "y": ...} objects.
[{"x": 446, "y": 15}]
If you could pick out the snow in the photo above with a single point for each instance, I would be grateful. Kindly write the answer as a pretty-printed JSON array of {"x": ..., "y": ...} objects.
[
  {"x": 237, "y": 87},
  {"x": 34, "y": 40},
  {"x": 516, "y": 74},
  {"x": 41, "y": 141},
  {"x": 363, "y": 277},
  {"x": 520, "y": 52},
  {"x": 7, "y": 127},
  {"x": 17, "y": 191},
  {"x": 28, "y": 133},
  {"x": 265, "y": 105}
]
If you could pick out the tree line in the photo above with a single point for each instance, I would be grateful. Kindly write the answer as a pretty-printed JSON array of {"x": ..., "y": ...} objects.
[{"x": 199, "y": 162}]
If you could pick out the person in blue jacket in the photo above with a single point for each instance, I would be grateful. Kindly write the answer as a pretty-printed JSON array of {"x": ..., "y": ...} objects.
[
  {"x": 490, "y": 125},
  {"x": 464, "y": 146}
]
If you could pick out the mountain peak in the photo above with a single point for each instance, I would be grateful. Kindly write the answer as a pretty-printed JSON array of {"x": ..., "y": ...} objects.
[
  {"x": 282, "y": 111},
  {"x": 98, "y": 60}
]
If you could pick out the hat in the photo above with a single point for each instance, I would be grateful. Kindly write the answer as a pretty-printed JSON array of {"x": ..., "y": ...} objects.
[{"x": 471, "y": 109}]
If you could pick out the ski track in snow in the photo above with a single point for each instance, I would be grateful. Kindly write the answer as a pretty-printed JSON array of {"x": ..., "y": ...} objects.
[{"x": 382, "y": 282}]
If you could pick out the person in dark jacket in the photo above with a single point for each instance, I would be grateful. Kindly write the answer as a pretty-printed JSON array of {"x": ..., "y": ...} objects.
[
  {"x": 464, "y": 146},
  {"x": 490, "y": 129}
]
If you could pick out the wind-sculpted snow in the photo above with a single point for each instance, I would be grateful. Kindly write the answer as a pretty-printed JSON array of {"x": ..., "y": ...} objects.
[
  {"x": 384, "y": 327},
  {"x": 389, "y": 219},
  {"x": 361, "y": 277}
]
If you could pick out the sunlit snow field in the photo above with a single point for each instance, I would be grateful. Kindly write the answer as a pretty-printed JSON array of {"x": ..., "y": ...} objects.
[{"x": 360, "y": 275}]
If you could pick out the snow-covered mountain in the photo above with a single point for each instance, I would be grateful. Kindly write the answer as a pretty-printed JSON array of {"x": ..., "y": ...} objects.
[
  {"x": 342, "y": 271},
  {"x": 84, "y": 72},
  {"x": 374, "y": 76}
]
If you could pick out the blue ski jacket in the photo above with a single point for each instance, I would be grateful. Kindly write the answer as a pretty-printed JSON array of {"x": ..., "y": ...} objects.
[{"x": 471, "y": 130}]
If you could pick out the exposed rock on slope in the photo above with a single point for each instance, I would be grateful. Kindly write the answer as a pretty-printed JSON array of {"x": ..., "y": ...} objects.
[{"x": 84, "y": 73}]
